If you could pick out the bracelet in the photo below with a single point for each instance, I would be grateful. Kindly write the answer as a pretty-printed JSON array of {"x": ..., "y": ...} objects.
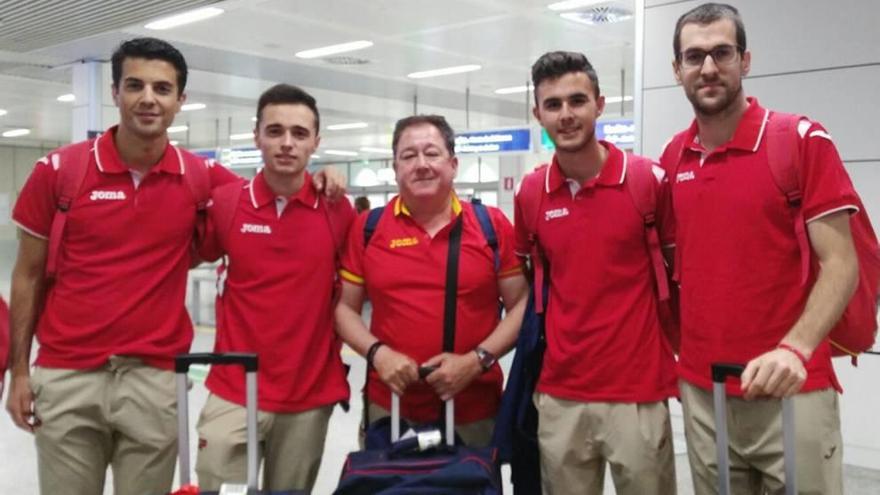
[
  {"x": 800, "y": 355},
  {"x": 371, "y": 352}
]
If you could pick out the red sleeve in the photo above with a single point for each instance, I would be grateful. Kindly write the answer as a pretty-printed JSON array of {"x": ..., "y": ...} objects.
[
  {"x": 510, "y": 263},
  {"x": 35, "y": 206},
  {"x": 4, "y": 337},
  {"x": 220, "y": 175},
  {"x": 827, "y": 186},
  {"x": 352, "y": 269}
]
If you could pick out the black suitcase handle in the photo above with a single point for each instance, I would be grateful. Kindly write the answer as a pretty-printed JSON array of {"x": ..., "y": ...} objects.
[
  {"x": 721, "y": 371},
  {"x": 182, "y": 362}
]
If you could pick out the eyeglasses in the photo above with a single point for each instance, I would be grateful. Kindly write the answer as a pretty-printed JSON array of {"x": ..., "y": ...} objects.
[{"x": 693, "y": 58}]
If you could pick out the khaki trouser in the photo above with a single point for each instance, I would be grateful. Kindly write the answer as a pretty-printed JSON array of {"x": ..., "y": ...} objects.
[
  {"x": 123, "y": 415},
  {"x": 577, "y": 439},
  {"x": 755, "y": 431},
  {"x": 291, "y": 446},
  {"x": 473, "y": 434}
]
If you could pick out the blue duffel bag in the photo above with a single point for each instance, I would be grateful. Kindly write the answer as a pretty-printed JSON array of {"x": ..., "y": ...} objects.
[{"x": 414, "y": 465}]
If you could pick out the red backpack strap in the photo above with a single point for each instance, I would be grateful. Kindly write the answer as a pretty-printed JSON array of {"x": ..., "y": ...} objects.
[
  {"x": 641, "y": 184},
  {"x": 671, "y": 161},
  {"x": 72, "y": 164},
  {"x": 783, "y": 158},
  {"x": 224, "y": 204},
  {"x": 530, "y": 198}
]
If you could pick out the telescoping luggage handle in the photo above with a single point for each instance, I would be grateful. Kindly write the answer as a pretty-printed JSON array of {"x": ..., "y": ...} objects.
[
  {"x": 395, "y": 420},
  {"x": 182, "y": 363},
  {"x": 720, "y": 373}
]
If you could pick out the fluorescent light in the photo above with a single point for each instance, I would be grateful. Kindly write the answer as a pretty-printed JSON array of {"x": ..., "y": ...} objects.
[
  {"x": 3, "y": 112},
  {"x": 66, "y": 98},
  {"x": 189, "y": 107},
  {"x": 253, "y": 119},
  {"x": 370, "y": 149},
  {"x": 458, "y": 69},
  {"x": 343, "y": 127},
  {"x": 184, "y": 18},
  {"x": 16, "y": 133},
  {"x": 177, "y": 128},
  {"x": 316, "y": 156},
  {"x": 340, "y": 153},
  {"x": 617, "y": 99},
  {"x": 572, "y": 4},
  {"x": 334, "y": 49},
  {"x": 174, "y": 142},
  {"x": 514, "y": 89},
  {"x": 243, "y": 135}
]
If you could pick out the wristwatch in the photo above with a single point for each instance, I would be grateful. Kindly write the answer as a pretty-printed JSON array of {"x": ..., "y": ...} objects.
[{"x": 487, "y": 359}]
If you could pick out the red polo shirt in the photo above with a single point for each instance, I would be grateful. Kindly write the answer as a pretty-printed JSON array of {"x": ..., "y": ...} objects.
[
  {"x": 604, "y": 341},
  {"x": 121, "y": 280},
  {"x": 738, "y": 254},
  {"x": 277, "y": 298},
  {"x": 404, "y": 272}
]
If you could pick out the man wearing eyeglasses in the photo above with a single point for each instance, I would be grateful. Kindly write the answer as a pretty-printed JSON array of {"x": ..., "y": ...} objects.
[{"x": 739, "y": 265}]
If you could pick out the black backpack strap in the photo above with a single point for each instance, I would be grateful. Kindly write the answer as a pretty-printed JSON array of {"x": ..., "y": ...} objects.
[
  {"x": 450, "y": 303},
  {"x": 372, "y": 221},
  {"x": 482, "y": 214}
]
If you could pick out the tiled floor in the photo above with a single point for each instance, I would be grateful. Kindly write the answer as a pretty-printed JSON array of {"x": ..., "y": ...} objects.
[{"x": 18, "y": 457}]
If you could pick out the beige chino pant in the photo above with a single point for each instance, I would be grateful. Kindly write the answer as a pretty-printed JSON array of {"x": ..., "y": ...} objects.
[
  {"x": 123, "y": 415},
  {"x": 755, "y": 431},
  {"x": 291, "y": 446},
  {"x": 576, "y": 440}
]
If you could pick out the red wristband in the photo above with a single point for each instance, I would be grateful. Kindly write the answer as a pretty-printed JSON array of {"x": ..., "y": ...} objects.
[{"x": 800, "y": 355}]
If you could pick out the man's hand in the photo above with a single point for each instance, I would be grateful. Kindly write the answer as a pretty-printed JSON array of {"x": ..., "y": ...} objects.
[
  {"x": 20, "y": 403},
  {"x": 331, "y": 182},
  {"x": 778, "y": 373},
  {"x": 454, "y": 372},
  {"x": 395, "y": 369}
]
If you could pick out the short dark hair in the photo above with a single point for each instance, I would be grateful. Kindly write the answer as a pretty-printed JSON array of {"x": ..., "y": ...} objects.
[
  {"x": 553, "y": 65},
  {"x": 705, "y": 14},
  {"x": 437, "y": 121},
  {"x": 288, "y": 94},
  {"x": 150, "y": 49}
]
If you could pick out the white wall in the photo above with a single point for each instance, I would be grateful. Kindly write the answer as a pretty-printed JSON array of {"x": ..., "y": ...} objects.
[{"x": 814, "y": 57}]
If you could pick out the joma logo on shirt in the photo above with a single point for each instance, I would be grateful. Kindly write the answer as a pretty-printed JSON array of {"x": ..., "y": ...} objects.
[
  {"x": 252, "y": 228},
  {"x": 557, "y": 213},
  {"x": 98, "y": 195},
  {"x": 685, "y": 176},
  {"x": 404, "y": 242}
]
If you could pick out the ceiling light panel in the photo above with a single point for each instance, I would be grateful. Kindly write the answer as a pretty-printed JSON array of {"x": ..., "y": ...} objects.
[
  {"x": 16, "y": 133},
  {"x": 573, "y": 4},
  {"x": 348, "y": 126},
  {"x": 184, "y": 18},
  {"x": 446, "y": 71},
  {"x": 340, "y": 153},
  {"x": 189, "y": 107},
  {"x": 513, "y": 90},
  {"x": 334, "y": 49},
  {"x": 66, "y": 98}
]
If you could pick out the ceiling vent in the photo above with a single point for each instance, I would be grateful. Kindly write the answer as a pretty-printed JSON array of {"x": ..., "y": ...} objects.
[
  {"x": 345, "y": 60},
  {"x": 600, "y": 14},
  {"x": 31, "y": 25}
]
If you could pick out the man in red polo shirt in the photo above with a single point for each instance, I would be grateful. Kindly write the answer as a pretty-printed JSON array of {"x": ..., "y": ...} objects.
[
  {"x": 607, "y": 369},
  {"x": 403, "y": 271},
  {"x": 281, "y": 240},
  {"x": 742, "y": 299}
]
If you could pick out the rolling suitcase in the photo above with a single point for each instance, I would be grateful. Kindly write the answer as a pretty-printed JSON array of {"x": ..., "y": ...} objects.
[
  {"x": 720, "y": 373},
  {"x": 422, "y": 464},
  {"x": 249, "y": 362}
]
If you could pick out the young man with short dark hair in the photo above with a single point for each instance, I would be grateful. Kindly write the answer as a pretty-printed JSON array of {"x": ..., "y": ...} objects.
[
  {"x": 281, "y": 241},
  {"x": 739, "y": 263},
  {"x": 608, "y": 370}
]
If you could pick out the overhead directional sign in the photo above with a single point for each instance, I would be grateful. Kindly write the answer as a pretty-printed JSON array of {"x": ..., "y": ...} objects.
[{"x": 494, "y": 141}]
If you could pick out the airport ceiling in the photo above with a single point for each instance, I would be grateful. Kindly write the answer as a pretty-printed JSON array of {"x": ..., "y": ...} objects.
[{"x": 234, "y": 56}]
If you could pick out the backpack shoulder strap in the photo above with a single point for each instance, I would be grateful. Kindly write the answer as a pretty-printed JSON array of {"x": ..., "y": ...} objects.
[
  {"x": 224, "y": 204},
  {"x": 72, "y": 164},
  {"x": 482, "y": 214},
  {"x": 783, "y": 158},
  {"x": 372, "y": 222},
  {"x": 197, "y": 177},
  {"x": 530, "y": 197},
  {"x": 641, "y": 184}
]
